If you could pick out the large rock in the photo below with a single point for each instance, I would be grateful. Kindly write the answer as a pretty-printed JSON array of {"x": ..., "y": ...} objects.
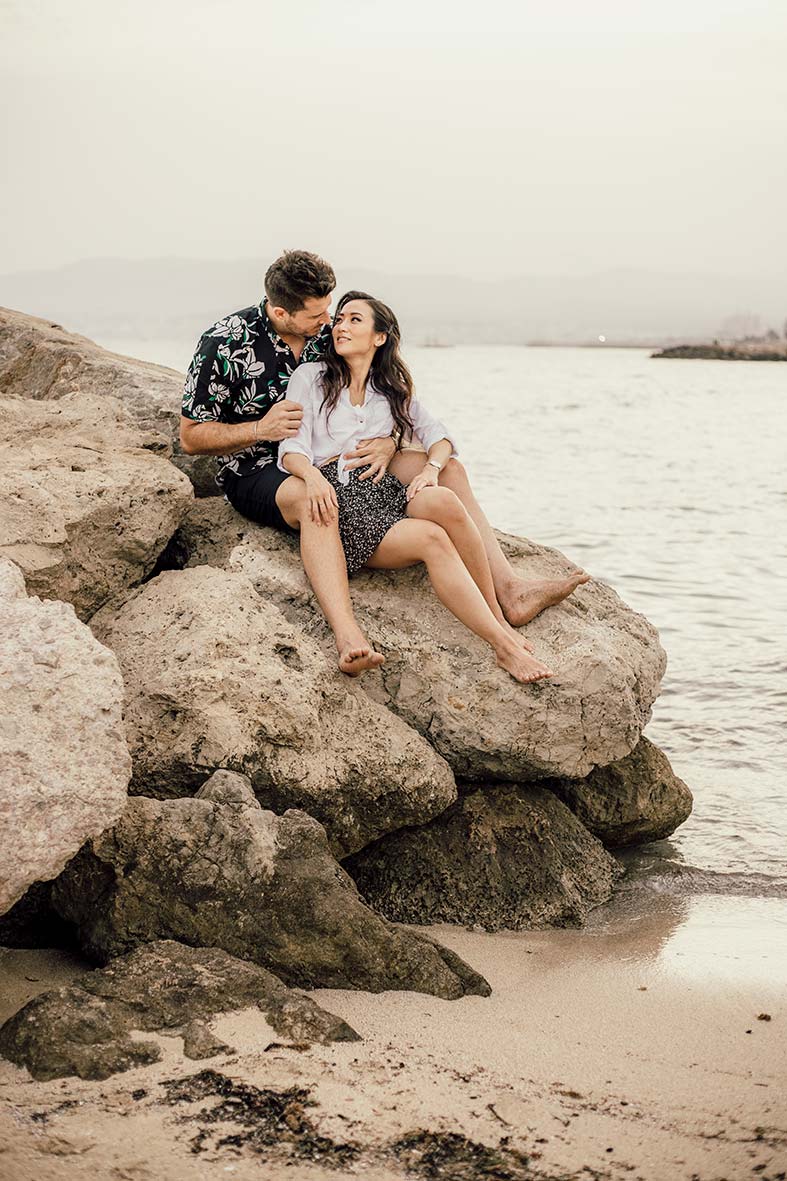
[
  {"x": 218, "y": 871},
  {"x": 444, "y": 683},
  {"x": 637, "y": 799},
  {"x": 85, "y": 508},
  {"x": 500, "y": 857},
  {"x": 216, "y": 677},
  {"x": 85, "y": 1029},
  {"x": 64, "y": 762},
  {"x": 40, "y": 360}
]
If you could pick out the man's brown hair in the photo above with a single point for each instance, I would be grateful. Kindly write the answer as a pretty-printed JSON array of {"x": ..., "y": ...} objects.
[{"x": 297, "y": 276}]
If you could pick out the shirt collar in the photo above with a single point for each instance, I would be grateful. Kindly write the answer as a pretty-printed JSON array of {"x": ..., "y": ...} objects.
[
  {"x": 315, "y": 344},
  {"x": 280, "y": 345}
]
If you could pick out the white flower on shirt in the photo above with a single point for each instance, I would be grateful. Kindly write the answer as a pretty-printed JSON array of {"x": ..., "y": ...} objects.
[{"x": 233, "y": 327}]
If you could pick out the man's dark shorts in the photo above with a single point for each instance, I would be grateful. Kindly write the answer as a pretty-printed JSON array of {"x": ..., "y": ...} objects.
[{"x": 255, "y": 495}]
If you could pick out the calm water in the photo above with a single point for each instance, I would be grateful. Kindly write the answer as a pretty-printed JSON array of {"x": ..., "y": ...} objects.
[{"x": 666, "y": 479}]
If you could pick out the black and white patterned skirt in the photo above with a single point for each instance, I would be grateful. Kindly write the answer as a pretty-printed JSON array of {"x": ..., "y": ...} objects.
[{"x": 366, "y": 512}]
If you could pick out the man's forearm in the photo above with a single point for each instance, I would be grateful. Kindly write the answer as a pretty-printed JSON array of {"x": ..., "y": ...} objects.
[{"x": 218, "y": 438}]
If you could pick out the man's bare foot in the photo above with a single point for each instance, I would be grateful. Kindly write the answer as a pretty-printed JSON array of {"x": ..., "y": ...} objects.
[
  {"x": 520, "y": 665},
  {"x": 525, "y": 600},
  {"x": 355, "y": 659}
]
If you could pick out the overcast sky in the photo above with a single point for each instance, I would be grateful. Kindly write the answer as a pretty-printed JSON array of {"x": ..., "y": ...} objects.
[{"x": 491, "y": 137}]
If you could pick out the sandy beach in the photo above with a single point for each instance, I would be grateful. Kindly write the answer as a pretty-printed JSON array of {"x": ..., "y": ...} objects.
[{"x": 648, "y": 1046}]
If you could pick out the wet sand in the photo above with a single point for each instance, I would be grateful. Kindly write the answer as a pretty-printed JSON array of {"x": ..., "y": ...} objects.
[{"x": 635, "y": 1048}]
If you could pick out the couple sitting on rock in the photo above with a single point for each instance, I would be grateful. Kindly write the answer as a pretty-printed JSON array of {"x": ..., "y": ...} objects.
[{"x": 307, "y": 416}]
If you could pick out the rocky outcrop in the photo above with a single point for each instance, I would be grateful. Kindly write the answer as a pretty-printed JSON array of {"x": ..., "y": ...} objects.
[
  {"x": 39, "y": 360},
  {"x": 63, "y": 753},
  {"x": 632, "y": 801},
  {"x": 86, "y": 1028},
  {"x": 85, "y": 508},
  {"x": 742, "y": 351},
  {"x": 219, "y": 871},
  {"x": 444, "y": 683},
  {"x": 502, "y": 856},
  {"x": 216, "y": 677}
]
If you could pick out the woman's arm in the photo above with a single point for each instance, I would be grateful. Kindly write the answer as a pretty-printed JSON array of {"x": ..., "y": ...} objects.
[
  {"x": 437, "y": 457},
  {"x": 321, "y": 494}
]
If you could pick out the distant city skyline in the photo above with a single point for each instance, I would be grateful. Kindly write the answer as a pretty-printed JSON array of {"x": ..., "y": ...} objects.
[{"x": 496, "y": 141}]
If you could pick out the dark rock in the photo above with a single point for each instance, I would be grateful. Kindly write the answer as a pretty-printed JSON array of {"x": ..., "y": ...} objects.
[
  {"x": 219, "y": 871},
  {"x": 500, "y": 857},
  {"x": 85, "y": 1029},
  {"x": 635, "y": 800},
  {"x": 32, "y": 922},
  {"x": 199, "y": 1042}
]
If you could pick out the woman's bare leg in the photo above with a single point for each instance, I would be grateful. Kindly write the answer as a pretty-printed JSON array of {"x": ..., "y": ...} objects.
[
  {"x": 411, "y": 541},
  {"x": 521, "y": 599},
  {"x": 444, "y": 507}
]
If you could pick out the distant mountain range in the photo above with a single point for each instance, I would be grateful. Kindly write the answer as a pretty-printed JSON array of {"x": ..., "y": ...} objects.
[{"x": 178, "y": 298}]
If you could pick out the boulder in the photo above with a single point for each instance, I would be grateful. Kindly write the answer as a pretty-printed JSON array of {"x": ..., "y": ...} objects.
[
  {"x": 218, "y": 871},
  {"x": 502, "y": 856},
  {"x": 65, "y": 762},
  {"x": 85, "y": 508},
  {"x": 216, "y": 677},
  {"x": 85, "y": 1029},
  {"x": 443, "y": 681},
  {"x": 40, "y": 360},
  {"x": 634, "y": 800}
]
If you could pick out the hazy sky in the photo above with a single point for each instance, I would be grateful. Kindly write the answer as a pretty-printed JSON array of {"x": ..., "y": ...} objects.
[{"x": 491, "y": 137}]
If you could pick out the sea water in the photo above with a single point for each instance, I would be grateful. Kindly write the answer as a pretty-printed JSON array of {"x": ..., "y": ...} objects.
[{"x": 666, "y": 479}]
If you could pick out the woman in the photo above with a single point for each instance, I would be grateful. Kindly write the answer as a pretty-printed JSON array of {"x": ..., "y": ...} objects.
[{"x": 363, "y": 389}]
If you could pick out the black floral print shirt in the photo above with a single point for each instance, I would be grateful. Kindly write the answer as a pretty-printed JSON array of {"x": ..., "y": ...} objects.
[{"x": 241, "y": 367}]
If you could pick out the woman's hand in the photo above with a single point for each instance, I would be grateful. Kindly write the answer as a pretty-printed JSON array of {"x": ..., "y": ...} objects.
[
  {"x": 321, "y": 494},
  {"x": 425, "y": 479}
]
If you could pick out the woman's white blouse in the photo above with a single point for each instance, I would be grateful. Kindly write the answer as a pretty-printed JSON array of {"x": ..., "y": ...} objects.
[{"x": 321, "y": 437}]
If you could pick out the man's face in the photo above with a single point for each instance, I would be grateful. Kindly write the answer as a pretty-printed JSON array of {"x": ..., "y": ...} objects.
[{"x": 309, "y": 319}]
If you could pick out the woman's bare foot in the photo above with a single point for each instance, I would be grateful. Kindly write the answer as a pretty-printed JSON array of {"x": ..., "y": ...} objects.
[
  {"x": 357, "y": 656},
  {"x": 523, "y": 641},
  {"x": 521, "y": 666},
  {"x": 523, "y": 600}
]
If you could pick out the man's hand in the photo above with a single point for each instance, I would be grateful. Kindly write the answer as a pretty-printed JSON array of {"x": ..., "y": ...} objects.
[
  {"x": 281, "y": 422},
  {"x": 374, "y": 455},
  {"x": 321, "y": 495},
  {"x": 428, "y": 478}
]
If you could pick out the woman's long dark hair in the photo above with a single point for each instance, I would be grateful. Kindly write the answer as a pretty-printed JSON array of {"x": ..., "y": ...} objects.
[{"x": 389, "y": 375}]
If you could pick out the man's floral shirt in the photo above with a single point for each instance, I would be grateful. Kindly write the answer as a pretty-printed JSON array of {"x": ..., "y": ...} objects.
[{"x": 241, "y": 367}]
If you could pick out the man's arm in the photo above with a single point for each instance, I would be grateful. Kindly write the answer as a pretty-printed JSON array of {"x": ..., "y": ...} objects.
[
  {"x": 374, "y": 455},
  {"x": 224, "y": 438}
]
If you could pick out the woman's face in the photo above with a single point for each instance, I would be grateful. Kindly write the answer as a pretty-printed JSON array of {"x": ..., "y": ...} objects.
[{"x": 353, "y": 330}]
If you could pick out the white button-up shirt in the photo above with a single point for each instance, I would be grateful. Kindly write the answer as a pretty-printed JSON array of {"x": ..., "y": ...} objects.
[{"x": 321, "y": 437}]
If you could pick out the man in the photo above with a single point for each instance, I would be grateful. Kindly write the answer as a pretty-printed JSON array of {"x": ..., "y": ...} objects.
[{"x": 235, "y": 407}]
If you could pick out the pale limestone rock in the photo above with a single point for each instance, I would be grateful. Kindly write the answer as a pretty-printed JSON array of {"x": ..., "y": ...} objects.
[
  {"x": 443, "y": 681},
  {"x": 216, "y": 677},
  {"x": 64, "y": 763},
  {"x": 40, "y": 360},
  {"x": 85, "y": 508}
]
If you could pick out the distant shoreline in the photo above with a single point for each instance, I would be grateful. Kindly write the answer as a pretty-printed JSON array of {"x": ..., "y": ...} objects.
[{"x": 725, "y": 352}]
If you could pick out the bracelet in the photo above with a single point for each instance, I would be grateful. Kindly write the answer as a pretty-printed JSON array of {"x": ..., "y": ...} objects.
[{"x": 434, "y": 463}]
